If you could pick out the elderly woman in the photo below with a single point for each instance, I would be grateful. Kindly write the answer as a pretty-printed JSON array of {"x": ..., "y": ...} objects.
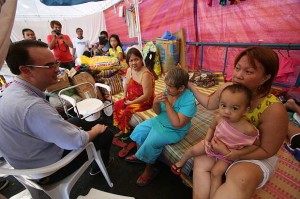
[
  {"x": 175, "y": 108},
  {"x": 255, "y": 68}
]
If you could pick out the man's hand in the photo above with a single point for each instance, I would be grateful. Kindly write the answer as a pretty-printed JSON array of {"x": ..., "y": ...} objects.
[{"x": 100, "y": 128}]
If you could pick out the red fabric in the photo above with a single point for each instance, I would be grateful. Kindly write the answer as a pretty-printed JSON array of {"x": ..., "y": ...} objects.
[
  {"x": 251, "y": 21},
  {"x": 123, "y": 112},
  {"x": 287, "y": 70}
]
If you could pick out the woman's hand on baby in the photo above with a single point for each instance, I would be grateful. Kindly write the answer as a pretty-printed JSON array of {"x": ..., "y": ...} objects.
[
  {"x": 218, "y": 146},
  {"x": 233, "y": 155}
]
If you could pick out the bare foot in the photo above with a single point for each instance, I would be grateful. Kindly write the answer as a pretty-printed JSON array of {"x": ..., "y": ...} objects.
[
  {"x": 292, "y": 105},
  {"x": 176, "y": 168}
]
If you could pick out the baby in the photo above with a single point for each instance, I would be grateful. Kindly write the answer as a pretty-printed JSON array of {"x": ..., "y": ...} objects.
[{"x": 230, "y": 128}]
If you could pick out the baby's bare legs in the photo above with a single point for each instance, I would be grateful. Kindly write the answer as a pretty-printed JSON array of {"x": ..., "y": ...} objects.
[
  {"x": 196, "y": 150},
  {"x": 216, "y": 176}
]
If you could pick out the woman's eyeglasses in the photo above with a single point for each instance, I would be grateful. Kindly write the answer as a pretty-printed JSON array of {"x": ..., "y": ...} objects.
[{"x": 56, "y": 64}]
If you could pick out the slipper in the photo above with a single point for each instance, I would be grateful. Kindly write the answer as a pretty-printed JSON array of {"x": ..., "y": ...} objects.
[
  {"x": 176, "y": 170},
  {"x": 143, "y": 181},
  {"x": 133, "y": 159},
  {"x": 294, "y": 152},
  {"x": 124, "y": 152},
  {"x": 295, "y": 141},
  {"x": 117, "y": 142}
]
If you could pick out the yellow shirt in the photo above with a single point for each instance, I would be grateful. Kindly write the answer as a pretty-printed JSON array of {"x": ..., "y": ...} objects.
[
  {"x": 253, "y": 116},
  {"x": 114, "y": 53}
]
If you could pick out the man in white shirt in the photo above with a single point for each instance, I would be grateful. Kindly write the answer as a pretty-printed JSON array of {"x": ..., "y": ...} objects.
[{"x": 80, "y": 44}]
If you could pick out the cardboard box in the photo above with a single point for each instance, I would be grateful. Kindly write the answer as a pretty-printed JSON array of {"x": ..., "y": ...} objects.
[
  {"x": 182, "y": 57},
  {"x": 168, "y": 52},
  {"x": 86, "y": 91},
  {"x": 63, "y": 82}
]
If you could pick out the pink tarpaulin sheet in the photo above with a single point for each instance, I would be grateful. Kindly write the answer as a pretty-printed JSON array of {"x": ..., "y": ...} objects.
[{"x": 250, "y": 21}]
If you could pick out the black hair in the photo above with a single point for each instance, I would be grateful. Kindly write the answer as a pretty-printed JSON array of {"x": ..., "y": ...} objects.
[
  {"x": 133, "y": 51},
  {"x": 54, "y": 22},
  {"x": 239, "y": 88},
  {"x": 103, "y": 32},
  {"x": 87, "y": 53},
  {"x": 118, "y": 40},
  {"x": 78, "y": 29},
  {"x": 18, "y": 54},
  {"x": 25, "y": 30}
]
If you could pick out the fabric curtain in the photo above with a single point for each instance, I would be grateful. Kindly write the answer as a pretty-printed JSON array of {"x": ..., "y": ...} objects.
[{"x": 250, "y": 21}]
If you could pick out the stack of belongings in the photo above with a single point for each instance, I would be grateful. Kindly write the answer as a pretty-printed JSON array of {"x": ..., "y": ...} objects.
[
  {"x": 151, "y": 58},
  {"x": 99, "y": 63},
  {"x": 202, "y": 79},
  {"x": 168, "y": 48}
]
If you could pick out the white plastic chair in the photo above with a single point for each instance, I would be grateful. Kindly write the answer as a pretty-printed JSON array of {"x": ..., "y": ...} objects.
[
  {"x": 89, "y": 108},
  {"x": 62, "y": 188},
  {"x": 95, "y": 194}
]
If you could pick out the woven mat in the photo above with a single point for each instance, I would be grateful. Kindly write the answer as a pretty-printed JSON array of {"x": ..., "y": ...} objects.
[{"x": 285, "y": 183}]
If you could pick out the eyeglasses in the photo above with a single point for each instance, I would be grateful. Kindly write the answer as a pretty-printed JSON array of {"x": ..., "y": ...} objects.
[{"x": 52, "y": 66}]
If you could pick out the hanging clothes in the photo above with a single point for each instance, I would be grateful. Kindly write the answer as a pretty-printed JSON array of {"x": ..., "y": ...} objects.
[{"x": 131, "y": 23}]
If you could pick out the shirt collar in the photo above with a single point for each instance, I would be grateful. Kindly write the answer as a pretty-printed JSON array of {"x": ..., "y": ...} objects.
[{"x": 29, "y": 86}]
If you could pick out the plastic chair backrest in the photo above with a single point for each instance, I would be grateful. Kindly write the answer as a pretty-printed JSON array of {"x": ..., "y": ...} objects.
[{"x": 62, "y": 188}]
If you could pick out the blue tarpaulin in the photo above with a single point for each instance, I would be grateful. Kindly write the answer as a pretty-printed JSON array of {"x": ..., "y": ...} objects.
[{"x": 65, "y": 2}]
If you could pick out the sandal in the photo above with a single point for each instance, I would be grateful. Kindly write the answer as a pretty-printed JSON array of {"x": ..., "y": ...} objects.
[
  {"x": 124, "y": 152},
  {"x": 176, "y": 169},
  {"x": 133, "y": 159},
  {"x": 146, "y": 180},
  {"x": 295, "y": 152},
  {"x": 117, "y": 142}
]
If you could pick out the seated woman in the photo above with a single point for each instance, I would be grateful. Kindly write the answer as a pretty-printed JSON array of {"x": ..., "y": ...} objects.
[
  {"x": 174, "y": 108},
  {"x": 138, "y": 93},
  {"x": 255, "y": 68}
]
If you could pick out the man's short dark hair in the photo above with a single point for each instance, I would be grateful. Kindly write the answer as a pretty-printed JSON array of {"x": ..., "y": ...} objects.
[
  {"x": 18, "y": 54},
  {"x": 103, "y": 32},
  {"x": 55, "y": 22},
  {"x": 25, "y": 30},
  {"x": 78, "y": 29}
]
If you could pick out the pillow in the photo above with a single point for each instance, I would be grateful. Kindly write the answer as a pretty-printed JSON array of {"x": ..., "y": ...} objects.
[
  {"x": 115, "y": 82},
  {"x": 107, "y": 73}
]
